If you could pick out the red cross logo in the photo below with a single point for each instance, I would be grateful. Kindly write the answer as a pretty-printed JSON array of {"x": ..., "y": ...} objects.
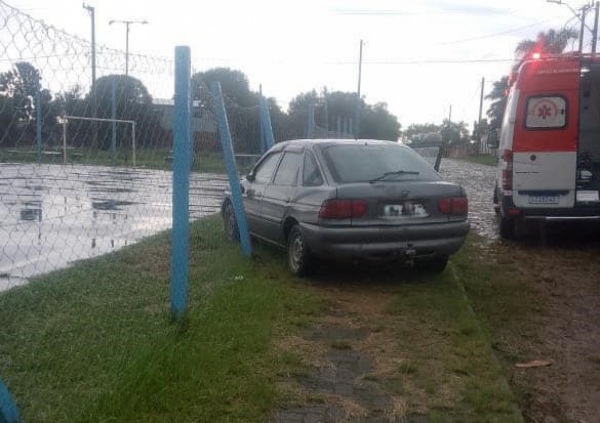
[{"x": 544, "y": 112}]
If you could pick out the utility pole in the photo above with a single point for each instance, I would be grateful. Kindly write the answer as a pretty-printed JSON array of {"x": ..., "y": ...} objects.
[
  {"x": 584, "y": 9},
  {"x": 357, "y": 114},
  {"x": 92, "y": 11},
  {"x": 481, "y": 101},
  {"x": 581, "y": 30},
  {"x": 595, "y": 31},
  {"x": 127, "y": 23},
  {"x": 450, "y": 114},
  {"x": 326, "y": 111}
]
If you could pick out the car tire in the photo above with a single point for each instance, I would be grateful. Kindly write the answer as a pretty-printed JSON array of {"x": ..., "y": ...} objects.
[
  {"x": 230, "y": 223},
  {"x": 300, "y": 260},
  {"x": 434, "y": 265}
]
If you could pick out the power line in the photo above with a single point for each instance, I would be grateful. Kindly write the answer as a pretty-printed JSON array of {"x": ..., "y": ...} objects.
[
  {"x": 497, "y": 34},
  {"x": 425, "y": 61}
]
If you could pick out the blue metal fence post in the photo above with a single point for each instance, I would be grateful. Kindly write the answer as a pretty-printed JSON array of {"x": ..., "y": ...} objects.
[
  {"x": 113, "y": 114},
  {"x": 181, "y": 182},
  {"x": 38, "y": 120},
  {"x": 8, "y": 409},
  {"x": 234, "y": 182},
  {"x": 267, "y": 128}
]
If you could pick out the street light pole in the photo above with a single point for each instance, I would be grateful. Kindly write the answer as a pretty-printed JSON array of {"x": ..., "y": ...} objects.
[
  {"x": 581, "y": 30},
  {"x": 127, "y": 23},
  {"x": 595, "y": 31},
  {"x": 357, "y": 114},
  {"x": 584, "y": 9},
  {"x": 92, "y": 11}
]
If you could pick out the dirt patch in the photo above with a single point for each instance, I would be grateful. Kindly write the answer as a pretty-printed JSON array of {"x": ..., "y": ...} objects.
[
  {"x": 348, "y": 355},
  {"x": 565, "y": 275},
  {"x": 565, "y": 327}
]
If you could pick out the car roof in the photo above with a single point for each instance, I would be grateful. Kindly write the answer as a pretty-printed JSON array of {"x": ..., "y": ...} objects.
[{"x": 331, "y": 142}]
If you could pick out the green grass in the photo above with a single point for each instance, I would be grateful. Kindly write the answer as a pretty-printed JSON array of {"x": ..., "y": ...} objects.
[
  {"x": 159, "y": 158},
  {"x": 449, "y": 363},
  {"x": 507, "y": 303},
  {"x": 95, "y": 342}
]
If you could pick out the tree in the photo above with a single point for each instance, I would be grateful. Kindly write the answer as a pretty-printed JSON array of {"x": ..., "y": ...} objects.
[
  {"x": 378, "y": 123},
  {"x": 132, "y": 101},
  {"x": 21, "y": 84},
  {"x": 234, "y": 85},
  {"x": 454, "y": 133},
  {"x": 550, "y": 42},
  {"x": 19, "y": 88},
  {"x": 547, "y": 42},
  {"x": 375, "y": 120},
  {"x": 241, "y": 105},
  {"x": 498, "y": 104},
  {"x": 419, "y": 131}
]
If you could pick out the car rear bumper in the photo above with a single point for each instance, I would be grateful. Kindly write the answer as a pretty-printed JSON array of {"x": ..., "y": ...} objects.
[
  {"x": 583, "y": 212},
  {"x": 383, "y": 242}
]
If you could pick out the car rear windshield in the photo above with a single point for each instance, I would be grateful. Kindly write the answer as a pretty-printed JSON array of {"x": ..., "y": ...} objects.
[{"x": 363, "y": 163}]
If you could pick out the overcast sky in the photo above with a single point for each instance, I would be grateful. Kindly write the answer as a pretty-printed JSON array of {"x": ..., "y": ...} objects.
[{"x": 419, "y": 57}]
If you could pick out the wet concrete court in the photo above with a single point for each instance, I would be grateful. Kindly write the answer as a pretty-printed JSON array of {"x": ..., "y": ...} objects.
[{"x": 52, "y": 215}]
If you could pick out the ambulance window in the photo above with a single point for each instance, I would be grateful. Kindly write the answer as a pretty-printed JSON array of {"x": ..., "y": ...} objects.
[{"x": 546, "y": 112}]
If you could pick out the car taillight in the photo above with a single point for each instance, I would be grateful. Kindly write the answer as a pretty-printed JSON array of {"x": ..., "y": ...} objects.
[
  {"x": 454, "y": 206},
  {"x": 507, "y": 172},
  {"x": 342, "y": 209}
]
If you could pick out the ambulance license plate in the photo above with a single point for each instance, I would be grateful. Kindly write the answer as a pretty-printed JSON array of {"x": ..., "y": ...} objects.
[{"x": 543, "y": 199}]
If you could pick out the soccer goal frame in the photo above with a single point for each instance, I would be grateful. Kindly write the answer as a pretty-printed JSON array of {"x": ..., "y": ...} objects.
[{"x": 64, "y": 121}]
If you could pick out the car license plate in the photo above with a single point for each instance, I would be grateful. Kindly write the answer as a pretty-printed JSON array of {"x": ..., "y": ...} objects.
[
  {"x": 587, "y": 196},
  {"x": 407, "y": 209},
  {"x": 543, "y": 199}
]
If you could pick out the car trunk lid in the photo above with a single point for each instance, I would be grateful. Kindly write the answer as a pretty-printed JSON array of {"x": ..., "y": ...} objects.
[{"x": 396, "y": 203}]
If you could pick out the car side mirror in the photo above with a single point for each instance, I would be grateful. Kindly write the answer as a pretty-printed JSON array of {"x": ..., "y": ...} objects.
[
  {"x": 492, "y": 139},
  {"x": 250, "y": 177}
]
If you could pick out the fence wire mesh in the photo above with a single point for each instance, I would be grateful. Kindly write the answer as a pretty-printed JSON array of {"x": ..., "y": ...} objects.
[{"x": 85, "y": 166}]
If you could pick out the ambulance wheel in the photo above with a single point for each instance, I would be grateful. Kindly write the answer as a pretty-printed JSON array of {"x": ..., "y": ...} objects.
[{"x": 507, "y": 228}]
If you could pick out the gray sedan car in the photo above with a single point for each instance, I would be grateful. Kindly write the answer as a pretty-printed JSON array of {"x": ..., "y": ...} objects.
[{"x": 351, "y": 200}]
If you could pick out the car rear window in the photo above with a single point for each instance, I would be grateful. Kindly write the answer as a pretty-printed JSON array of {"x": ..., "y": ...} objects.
[{"x": 363, "y": 163}]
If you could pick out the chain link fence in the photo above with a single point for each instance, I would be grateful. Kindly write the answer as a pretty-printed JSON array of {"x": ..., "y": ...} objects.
[{"x": 85, "y": 165}]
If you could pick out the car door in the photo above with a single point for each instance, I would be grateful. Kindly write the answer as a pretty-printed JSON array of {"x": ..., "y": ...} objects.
[
  {"x": 254, "y": 188},
  {"x": 279, "y": 194}
]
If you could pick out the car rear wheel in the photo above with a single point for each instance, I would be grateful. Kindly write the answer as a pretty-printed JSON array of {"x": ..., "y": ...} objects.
[
  {"x": 231, "y": 228},
  {"x": 300, "y": 260},
  {"x": 434, "y": 265}
]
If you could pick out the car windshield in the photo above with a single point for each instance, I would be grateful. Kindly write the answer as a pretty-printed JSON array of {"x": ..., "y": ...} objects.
[{"x": 365, "y": 163}]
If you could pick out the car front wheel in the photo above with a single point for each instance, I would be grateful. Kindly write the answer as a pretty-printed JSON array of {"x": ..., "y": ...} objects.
[
  {"x": 300, "y": 260},
  {"x": 231, "y": 228}
]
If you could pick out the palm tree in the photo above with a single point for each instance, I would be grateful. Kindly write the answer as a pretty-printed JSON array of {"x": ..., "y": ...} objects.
[
  {"x": 552, "y": 42},
  {"x": 498, "y": 97}
]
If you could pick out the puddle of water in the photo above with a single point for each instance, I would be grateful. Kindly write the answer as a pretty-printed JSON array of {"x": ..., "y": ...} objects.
[{"x": 47, "y": 225}]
